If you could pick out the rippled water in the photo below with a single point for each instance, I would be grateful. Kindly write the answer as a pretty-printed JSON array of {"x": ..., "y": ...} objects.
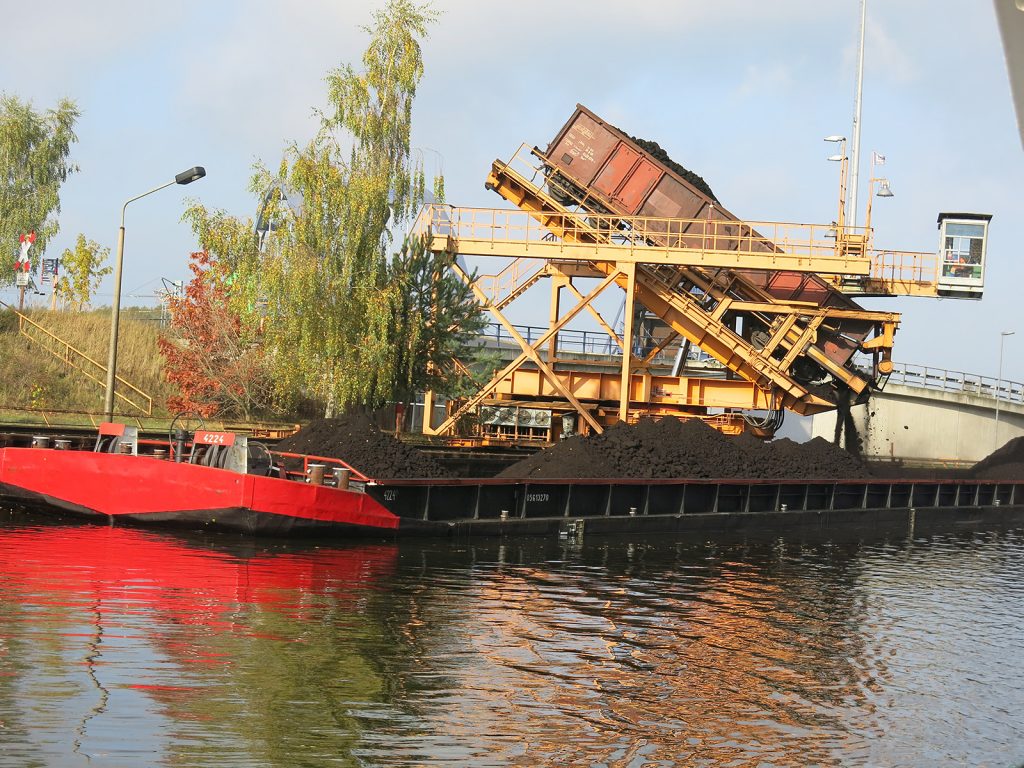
[{"x": 128, "y": 648}]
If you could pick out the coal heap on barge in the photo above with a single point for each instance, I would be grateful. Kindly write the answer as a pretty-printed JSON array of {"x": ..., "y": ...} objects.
[
  {"x": 357, "y": 441},
  {"x": 673, "y": 448}
]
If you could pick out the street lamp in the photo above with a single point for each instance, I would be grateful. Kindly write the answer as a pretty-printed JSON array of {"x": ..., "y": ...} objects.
[
  {"x": 185, "y": 177},
  {"x": 840, "y": 158},
  {"x": 884, "y": 189},
  {"x": 999, "y": 385}
]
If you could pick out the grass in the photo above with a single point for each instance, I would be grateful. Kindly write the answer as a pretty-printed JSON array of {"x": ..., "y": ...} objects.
[
  {"x": 37, "y": 388},
  {"x": 33, "y": 378}
]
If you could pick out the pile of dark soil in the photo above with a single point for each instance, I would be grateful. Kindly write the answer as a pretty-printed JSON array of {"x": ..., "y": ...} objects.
[
  {"x": 1007, "y": 463},
  {"x": 357, "y": 441},
  {"x": 670, "y": 448}
]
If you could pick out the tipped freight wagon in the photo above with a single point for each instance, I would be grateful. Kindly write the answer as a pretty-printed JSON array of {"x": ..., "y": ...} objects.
[{"x": 597, "y": 166}]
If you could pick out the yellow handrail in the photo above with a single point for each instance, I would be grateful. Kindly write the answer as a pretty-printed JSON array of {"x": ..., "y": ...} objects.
[
  {"x": 491, "y": 231},
  {"x": 71, "y": 355}
]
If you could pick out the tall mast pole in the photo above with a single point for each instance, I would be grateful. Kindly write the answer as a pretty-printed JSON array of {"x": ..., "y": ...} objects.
[{"x": 855, "y": 157}]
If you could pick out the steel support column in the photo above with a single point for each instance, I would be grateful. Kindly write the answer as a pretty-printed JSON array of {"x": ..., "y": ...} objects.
[{"x": 629, "y": 270}]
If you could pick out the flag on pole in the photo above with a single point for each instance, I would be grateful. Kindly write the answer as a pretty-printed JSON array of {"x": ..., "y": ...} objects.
[{"x": 877, "y": 159}]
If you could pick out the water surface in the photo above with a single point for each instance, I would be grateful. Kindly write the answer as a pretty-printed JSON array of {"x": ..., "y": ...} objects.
[{"x": 126, "y": 647}]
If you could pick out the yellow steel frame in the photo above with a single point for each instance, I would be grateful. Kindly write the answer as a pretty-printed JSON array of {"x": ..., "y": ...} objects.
[
  {"x": 682, "y": 394},
  {"x": 894, "y": 273},
  {"x": 682, "y": 312},
  {"x": 529, "y": 353},
  {"x": 648, "y": 258}
]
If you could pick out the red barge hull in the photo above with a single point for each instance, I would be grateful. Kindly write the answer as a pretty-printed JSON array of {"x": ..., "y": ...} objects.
[{"x": 149, "y": 490}]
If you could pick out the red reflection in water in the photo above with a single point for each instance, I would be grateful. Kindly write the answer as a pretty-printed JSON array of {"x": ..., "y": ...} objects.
[
  {"x": 182, "y": 622},
  {"x": 192, "y": 582}
]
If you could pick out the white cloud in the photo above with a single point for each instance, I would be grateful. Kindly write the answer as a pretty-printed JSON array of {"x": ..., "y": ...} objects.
[{"x": 257, "y": 81}]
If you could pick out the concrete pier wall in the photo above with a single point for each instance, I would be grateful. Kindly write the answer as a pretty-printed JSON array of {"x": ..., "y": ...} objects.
[{"x": 918, "y": 425}]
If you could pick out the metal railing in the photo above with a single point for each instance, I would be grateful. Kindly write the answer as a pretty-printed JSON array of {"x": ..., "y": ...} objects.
[
  {"x": 903, "y": 268},
  {"x": 821, "y": 248},
  {"x": 944, "y": 380},
  {"x": 595, "y": 344},
  {"x": 743, "y": 245},
  {"x": 482, "y": 230},
  {"x": 516, "y": 275},
  {"x": 75, "y": 358}
]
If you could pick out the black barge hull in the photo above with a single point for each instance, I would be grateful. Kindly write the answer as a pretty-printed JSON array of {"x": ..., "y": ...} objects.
[{"x": 564, "y": 507}]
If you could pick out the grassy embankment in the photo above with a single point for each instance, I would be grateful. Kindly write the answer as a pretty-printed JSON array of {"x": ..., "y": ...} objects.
[{"x": 35, "y": 386}]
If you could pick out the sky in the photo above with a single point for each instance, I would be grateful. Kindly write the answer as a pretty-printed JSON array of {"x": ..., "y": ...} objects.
[{"x": 740, "y": 91}]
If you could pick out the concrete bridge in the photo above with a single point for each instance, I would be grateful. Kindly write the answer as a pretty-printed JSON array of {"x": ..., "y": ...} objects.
[{"x": 934, "y": 416}]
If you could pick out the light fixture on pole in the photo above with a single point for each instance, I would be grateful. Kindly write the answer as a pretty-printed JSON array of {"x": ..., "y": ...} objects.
[
  {"x": 884, "y": 190},
  {"x": 185, "y": 177},
  {"x": 999, "y": 385},
  {"x": 842, "y": 160}
]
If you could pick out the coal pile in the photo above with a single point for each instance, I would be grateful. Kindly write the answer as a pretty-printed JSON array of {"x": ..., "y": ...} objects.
[
  {"x": 357, "y": 441},
  {"x": 1007, "y": 463},
  {"x": 655, "y": 150},
  {"x": 670, "y": 448}
]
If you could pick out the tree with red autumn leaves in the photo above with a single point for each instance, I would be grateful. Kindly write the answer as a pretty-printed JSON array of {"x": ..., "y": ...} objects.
[{"x": 216, "y": 363}]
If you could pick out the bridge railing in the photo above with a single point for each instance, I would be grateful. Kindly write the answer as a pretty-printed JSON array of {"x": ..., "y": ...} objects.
[
  {"x": 580, "y": 342},
  {"x": 946, "y": 380}
]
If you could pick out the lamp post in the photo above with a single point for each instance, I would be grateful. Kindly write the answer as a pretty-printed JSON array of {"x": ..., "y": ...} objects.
[
  {"x": 999, "y": 385},
  {"x": 884, "y": 192},
  {"x": 185, "y": 177},
  {"x": 840, "y": 158}
]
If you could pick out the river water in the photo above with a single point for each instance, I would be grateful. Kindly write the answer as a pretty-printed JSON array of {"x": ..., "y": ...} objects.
[{"x": 121, "y": 647}]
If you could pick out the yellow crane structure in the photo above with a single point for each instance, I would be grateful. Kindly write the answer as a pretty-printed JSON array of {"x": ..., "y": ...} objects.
[{"x": 766, "y": 301}]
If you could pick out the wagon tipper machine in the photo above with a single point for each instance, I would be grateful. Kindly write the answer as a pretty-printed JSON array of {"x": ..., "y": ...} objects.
[{"x": 730, "y": 321}]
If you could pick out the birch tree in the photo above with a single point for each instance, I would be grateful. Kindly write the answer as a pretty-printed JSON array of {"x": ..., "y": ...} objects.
[
  {"x": 324, "y": 273},
  {"x": 83, "y": 271},
  {"x": 34, "y": 162}
]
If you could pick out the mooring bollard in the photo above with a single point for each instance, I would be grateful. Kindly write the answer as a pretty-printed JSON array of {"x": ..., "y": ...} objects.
[
  {"x": 159, "y": 453},
  {"x": 180, "y": 436},
  {"x": 316, "y": 474},
  {"x": 342, "y": 477},
  {"x": 125, "y": 449},
  {"x": 40, "y": 441},
  {"x": 504, "y": 514},
  {"x": 62, "y": 445}
]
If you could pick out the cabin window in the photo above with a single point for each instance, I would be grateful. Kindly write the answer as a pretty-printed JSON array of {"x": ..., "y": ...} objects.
[{"x": 962, "y": 250}]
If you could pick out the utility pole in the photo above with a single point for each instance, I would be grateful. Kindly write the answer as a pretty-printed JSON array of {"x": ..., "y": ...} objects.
[
  {"x": 855, "y": 158},
  {"x": 999, "y": 385}
]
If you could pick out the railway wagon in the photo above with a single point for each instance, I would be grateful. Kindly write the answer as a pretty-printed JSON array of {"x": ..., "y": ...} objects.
[{"x": 611, "y": 172}]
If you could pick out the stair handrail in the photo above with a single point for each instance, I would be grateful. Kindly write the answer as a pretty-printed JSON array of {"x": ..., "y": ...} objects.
[{"x": 25, "y": 321}]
